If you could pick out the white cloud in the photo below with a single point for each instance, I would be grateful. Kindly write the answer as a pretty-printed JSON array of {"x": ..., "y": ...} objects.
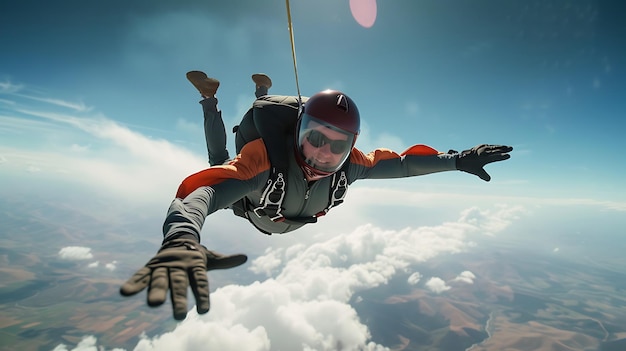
[
  {"x": 305, "y": 302},
  {"x": 465, "y": 277},
  {"x": 8, "y": 87},
  {"x": 90, "y": 150},
  {"x": 111, "y": 266},
  {"x": 7, "y": 102},
  {"x": 75, "y": 253},
  {"x": 88, "y": 343},
  {"x": 33, "y": 169},
  {"x": 414, "y": 278},
  {"x": 437, "y": 285},
  {"x": 79, "y": 148},
  {"x": 196, "y": 335},
  {"x": 490, "y": 224},
  {"x": 268, "y": 262},
  {"x": 76, "y": 106}
]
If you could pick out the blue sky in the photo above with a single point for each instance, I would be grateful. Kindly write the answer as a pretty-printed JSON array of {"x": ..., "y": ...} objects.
[
  {"x": 96, "y": 114},
  {"x": 545, "y": 77}
]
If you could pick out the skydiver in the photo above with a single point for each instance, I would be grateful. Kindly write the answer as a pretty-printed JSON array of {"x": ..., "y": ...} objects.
[{"x": 281, "y": 179}]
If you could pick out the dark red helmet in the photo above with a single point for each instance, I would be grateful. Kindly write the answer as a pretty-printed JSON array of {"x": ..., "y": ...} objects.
[{"x": 326, "y": 132}]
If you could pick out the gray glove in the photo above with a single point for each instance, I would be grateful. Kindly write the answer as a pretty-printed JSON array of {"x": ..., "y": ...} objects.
[
  {"x": 473, "y": 160},
  {"x": 178, "y": 264}
]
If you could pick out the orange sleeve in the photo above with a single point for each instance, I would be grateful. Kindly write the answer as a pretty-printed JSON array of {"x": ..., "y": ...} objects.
[
  {"x": 387, "y": 164},
  {"x": 420, "y": 150},
  {"x": 371, "y": 159},
  {"x": 251, "y": 161}
]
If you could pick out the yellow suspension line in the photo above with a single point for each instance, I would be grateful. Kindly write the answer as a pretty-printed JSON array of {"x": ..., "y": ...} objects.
[{"x": 293, "y": 53}]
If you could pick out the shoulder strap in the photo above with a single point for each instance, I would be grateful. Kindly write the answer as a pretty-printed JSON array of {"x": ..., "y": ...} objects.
[{"x": 275, "y": 118}]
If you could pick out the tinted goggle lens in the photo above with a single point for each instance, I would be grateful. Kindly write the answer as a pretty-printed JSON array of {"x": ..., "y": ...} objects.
[{"x": 318, "y": 139}]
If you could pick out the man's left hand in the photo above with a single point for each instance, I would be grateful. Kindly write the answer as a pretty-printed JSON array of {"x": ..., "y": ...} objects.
[{"x": 473, "y": 160}]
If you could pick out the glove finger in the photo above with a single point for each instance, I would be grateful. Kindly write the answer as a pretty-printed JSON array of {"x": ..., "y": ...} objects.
[
  {"x": 497, "y": 149},
  {"x": 483, "y": 175},
  {"x": 224, "y": 262},
  {"x": 200, "y": 287},
  {"x": 158, "y": 287},
  {"x": 136, "y": 283},
  {"x": 496, "y": 158},
  {"x": 179, "y": 283}
]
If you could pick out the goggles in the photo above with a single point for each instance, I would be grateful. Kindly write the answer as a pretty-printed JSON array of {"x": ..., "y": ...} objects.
[{"x": 317, "y": 139}]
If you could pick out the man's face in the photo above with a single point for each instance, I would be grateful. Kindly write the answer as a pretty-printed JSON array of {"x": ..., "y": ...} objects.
[{"x": 324, "y": 148}]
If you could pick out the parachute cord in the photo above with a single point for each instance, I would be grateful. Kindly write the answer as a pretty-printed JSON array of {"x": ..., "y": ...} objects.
[{"x": 293, "y": 56}]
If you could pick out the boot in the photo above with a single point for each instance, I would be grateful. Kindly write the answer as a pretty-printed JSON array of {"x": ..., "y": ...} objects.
[
  {"x": 206, "y": 86},
  {"x": 262, "y": 80}
]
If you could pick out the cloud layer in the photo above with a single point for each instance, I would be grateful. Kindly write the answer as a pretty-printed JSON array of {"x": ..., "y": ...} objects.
[{"x": 304, "y": 301}]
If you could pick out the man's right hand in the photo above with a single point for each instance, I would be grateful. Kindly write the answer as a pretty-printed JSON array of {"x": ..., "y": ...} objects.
[{"x": 178, "y": 264}]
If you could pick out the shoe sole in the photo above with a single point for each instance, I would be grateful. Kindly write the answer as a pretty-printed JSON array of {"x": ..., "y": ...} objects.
[
  {"x": 206, "y": 86},
  {"x": 262, "y": 79}
]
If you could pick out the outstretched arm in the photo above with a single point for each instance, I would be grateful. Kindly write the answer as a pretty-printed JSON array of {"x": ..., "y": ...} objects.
[
  {"x": 384, "y": 163},
  {"x": 181, "y": 261},
  {"x": 422, "y": 159}
]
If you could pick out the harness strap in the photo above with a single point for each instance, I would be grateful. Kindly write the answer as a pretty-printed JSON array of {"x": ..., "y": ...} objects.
[
  {"x": 274, "y": 194},
  {"x": 338, "y": 193},
  {"x": 241, "y": 208},
  {"x": 272, "y": 197}
]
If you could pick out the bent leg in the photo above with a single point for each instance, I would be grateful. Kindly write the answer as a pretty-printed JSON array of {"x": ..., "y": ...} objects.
[{"x": 214, "y": 132}]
